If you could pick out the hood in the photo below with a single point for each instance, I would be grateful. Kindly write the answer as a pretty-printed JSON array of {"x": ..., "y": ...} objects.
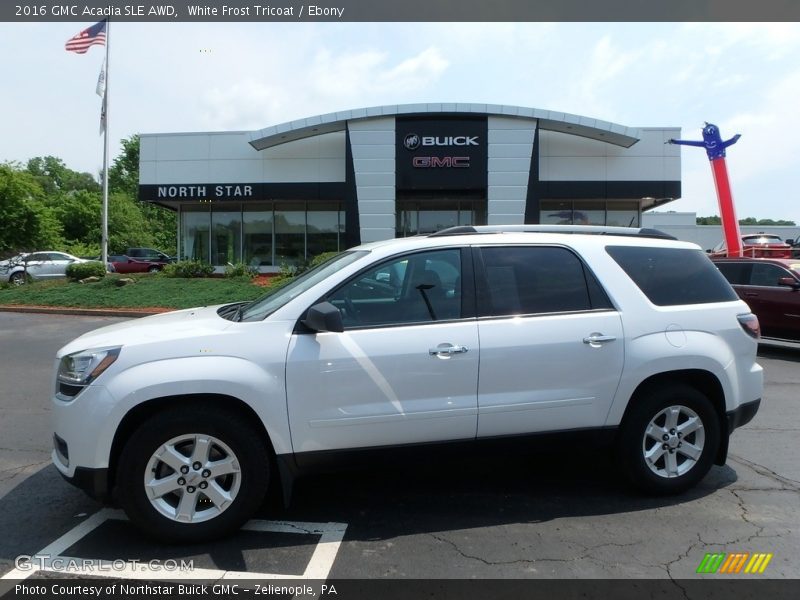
[{"x": 179, "y": 324}]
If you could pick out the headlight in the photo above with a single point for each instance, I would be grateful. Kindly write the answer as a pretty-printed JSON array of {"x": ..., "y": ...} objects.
[{"x": 81, "y": 368}]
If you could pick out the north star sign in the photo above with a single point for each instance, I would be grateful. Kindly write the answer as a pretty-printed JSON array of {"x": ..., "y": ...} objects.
[{"x": 202, "y": 191}]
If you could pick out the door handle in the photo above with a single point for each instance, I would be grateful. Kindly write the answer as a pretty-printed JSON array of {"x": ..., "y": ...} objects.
[
  {"x": 447, "y": 350},
  {"x": 596, "y": 339},
  {"x": 751, "y": 294}
]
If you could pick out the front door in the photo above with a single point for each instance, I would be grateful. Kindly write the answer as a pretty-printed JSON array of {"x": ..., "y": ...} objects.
[{"x": 405, "y": 370}]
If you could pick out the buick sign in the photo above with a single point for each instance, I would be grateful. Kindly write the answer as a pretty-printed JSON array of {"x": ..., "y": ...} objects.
[{"x": 411, "y": 141}]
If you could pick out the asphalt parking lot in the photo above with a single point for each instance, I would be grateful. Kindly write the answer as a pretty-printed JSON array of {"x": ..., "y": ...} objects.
[{"x": 542, "y": 515}]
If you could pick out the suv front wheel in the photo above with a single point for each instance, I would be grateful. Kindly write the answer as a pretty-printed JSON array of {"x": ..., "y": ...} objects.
[
  {"x": 669, "y": 438},
  {"x": 193, "y": 473}
]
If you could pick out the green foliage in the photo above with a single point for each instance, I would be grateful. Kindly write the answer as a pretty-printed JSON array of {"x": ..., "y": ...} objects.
[
  {"x": 188, "y": 269},
  {"x": 321, "y": 258},
  {"x": 123, "y": 175},
  {"x": 53, "y": 176},
  {"x": 82, "y": 250},
  {"x": 149, "y": 291},
  {"x": 46, "y": 205},
  {"x": 241, "y": 270},
  {"x": 27, "y": 222},
  {"x": 715, "y": 220},
  {"x": 78, "y": 271}
]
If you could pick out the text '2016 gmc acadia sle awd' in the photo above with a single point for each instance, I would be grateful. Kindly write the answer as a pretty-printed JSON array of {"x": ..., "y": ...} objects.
[{"x": 466, "y": 335}]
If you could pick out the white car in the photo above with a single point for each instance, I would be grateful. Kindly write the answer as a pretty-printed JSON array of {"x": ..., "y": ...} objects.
[
  {"x": 40, "y": 266},
  {"x": 466, "y": 335}
]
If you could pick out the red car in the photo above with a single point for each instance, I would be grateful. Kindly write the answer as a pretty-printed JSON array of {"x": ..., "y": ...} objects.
[
  {"x": 757, "y": 245},
  {"x": 771, "y": 287},
  {"x": 126, "y": 264}
]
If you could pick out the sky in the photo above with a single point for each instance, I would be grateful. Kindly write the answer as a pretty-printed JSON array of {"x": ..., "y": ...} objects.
[{"x": 174, "y": 77}]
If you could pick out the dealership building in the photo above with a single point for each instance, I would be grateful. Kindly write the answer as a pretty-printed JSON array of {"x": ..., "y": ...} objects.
[{"x": 283, "y": 194}]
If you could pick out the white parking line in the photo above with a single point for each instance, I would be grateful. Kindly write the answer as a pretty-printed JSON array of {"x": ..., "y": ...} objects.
[{"x": 319, "y": 566}]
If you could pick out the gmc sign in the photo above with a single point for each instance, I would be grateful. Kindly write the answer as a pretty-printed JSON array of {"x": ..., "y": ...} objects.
[{"x": 444, "y": 153}]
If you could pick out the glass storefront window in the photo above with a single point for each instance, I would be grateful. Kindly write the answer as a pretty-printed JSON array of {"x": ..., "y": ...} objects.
[
  {"x": 623, "y": 214},
  {"x": 591, "y": 212},
  {"x": 195, "y": 227},
  {"x": 290, "y": 234},
  {"x": 430, "y": 215},
  {"x": 322, "y": 229},
  {"x": 258, "y": 235},
  {"x": 555, "y": 213},
  {"x": 226, "y": 234},
  {"x": 619, "y": 213}
]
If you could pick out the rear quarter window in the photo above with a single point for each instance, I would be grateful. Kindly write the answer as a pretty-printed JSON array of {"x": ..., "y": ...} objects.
[{"x": 673, "y": 276}]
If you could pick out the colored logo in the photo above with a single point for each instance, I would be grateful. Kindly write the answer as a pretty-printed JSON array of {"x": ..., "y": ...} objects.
[
  {"x": 411, "y": 141},
  {"x": 735, "y": 563}
]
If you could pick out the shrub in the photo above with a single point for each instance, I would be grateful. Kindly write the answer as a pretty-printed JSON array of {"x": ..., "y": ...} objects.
[
  {"x": 241, "y": 270},
  {"x": 188, "y": 269},
  {"x": 78, "y": 271},
  {"x": 321, "y": 258}
]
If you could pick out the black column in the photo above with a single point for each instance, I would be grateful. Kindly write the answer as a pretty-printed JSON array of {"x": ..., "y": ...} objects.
[{"x": 352, "y": 223}]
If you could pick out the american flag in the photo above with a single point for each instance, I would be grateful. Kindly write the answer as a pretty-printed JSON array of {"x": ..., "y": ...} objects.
[{"x": 94, "y": 35}]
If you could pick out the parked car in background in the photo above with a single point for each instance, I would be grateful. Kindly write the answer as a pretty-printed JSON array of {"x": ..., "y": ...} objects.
[
  {"x": 150, "y": 254},
  {"x": 126, "y": 264},
  {"x": 757, "y": 245},
  {"x": 39, "y": 265},
  {"x": 771, "y": 287}
]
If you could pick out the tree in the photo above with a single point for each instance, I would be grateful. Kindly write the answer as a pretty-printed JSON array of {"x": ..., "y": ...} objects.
[
  {"x": 123, "y": 178},
  {"x": 27, "y": 222},
  {"x": 746, "y": 221},
  {"x": 54, "y": 176}
]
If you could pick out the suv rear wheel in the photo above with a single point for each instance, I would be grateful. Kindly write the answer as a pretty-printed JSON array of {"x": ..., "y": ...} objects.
[
  {"x": 668, "y": 439},
  {"x": 187, "y": 475}
]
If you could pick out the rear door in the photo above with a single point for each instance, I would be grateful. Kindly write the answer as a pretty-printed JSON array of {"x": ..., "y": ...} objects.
[
  {"x": 779, "y": 305},
  {"x": 551, "y": 342}
]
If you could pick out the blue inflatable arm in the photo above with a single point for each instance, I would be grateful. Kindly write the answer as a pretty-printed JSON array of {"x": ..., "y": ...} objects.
[{"x": 712, "y": 142}]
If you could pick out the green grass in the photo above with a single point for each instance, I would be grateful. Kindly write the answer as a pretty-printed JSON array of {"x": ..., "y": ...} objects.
[{"x": 149, "y": 291}]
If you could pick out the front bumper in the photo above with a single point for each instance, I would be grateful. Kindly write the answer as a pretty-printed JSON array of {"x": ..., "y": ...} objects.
[{"x": 92, "y": 481}]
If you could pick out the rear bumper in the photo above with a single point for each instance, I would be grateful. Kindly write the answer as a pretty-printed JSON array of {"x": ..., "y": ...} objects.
[{"x": 742, "y": 415}]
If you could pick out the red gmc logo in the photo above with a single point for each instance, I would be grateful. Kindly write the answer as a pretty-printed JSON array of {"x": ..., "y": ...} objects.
[{"x": 435, "y": 162}]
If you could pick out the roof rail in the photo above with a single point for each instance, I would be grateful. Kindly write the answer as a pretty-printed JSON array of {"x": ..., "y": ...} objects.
[{"x": 593, "y": 229}]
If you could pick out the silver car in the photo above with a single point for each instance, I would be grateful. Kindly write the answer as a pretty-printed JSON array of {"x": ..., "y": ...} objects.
[{"x": 40, "y": 266}]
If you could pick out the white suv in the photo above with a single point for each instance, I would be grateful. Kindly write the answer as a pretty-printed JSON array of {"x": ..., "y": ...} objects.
[{"x": 186, "y": 418}]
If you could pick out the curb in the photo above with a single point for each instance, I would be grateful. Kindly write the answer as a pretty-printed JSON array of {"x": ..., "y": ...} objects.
[{"x": 85, "y": 312}]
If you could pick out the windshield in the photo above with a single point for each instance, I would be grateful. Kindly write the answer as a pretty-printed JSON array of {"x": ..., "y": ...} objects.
[{"x": 275, "y": 299}]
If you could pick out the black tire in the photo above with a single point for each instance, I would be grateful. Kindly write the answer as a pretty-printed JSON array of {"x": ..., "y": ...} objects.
[
  {"x": 153, "y": 269},
  {"x": 233, "y": 433},
  {"x": 17, "y": 278},
  {"x": 650, "y": 406}
]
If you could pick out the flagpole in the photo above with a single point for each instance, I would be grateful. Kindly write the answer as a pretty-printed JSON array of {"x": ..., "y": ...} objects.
[{"x": 104, "y": 239}]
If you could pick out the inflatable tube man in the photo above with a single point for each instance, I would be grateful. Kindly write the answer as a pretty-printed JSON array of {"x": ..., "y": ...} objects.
[{"x": 715, "y": 149}]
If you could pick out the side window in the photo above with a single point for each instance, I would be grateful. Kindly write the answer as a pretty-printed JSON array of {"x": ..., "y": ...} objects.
[
  {"x": 414, "y": 288},
  {"x": 767, "y": 275},
  {"x": 737, "y": 273},
  {"x": 38, "y": 257},
  {"x": 673, "y": 276},
  {"x": 533, "y": 279}
]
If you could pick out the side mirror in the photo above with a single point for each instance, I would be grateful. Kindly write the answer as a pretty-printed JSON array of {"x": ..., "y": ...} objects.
[
  {"x": 789, "y": 282},
  {"x": 324, "y": 317},
  {"x": 790, "y": 241}
]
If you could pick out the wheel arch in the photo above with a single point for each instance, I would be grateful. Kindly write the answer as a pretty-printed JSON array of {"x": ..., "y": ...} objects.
[
  {"x": 141, "y": 412},
  {"x": 703, "y": 381}
]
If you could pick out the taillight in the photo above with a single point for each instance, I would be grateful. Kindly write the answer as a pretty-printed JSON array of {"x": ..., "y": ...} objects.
[{"x": 749, "y": 323}]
